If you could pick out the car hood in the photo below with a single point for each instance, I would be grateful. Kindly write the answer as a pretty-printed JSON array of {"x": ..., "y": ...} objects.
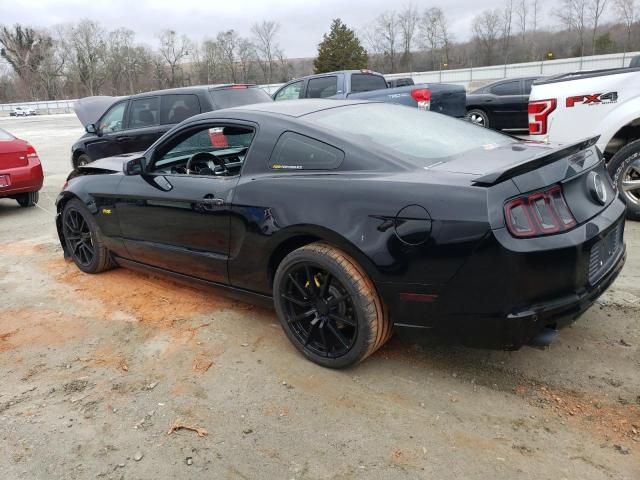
[
  {"x": 90, "y": 109},
  {"x": 110, "y": 164}
]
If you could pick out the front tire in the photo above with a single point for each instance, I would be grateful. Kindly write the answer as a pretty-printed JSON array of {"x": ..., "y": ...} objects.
[
  {"x": 28, "y": 199},
  {"x": 478, "y": 117},
  {"x": 624, "y": 168},
  {"x": 328, "y": 306},
  {"x": 83, "y": 239},
  {"x": 83, "y": 159}
]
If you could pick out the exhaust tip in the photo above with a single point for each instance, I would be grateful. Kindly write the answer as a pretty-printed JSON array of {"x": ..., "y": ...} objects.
[{"x": 543, "y": 339}]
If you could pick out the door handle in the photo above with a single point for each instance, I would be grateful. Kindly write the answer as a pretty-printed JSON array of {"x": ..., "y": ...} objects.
[
  {"x": 122, "y": 139},
  {"x": 213, "y": 201}
]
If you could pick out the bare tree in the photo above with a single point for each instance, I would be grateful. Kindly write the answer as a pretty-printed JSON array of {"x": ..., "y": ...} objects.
[
  {"x": 596, "y": 9},
  {"x": 522, "y": 12},
  {"x": 228, "y": 42},
  {"x": 387, "y": 34},
  {"x": 24, "y": 49},
  {"x": 487, "y": 28},
  {"x": 507, "y": 23},
  {"x": 627, "y": 11},
  {"x": 264, "y": 38},
  {"x": 408, "y": 21},
  {"x": 173, "y": 49},
  {"x": 574, "y": 14},
  {"x": 87, "y": 39},
  {"x": 434, "y": 35},
  {"x": 246, "y": 52}
]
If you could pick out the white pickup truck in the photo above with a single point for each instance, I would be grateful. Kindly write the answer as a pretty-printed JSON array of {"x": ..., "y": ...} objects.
[{"x": 605, "y": 103}]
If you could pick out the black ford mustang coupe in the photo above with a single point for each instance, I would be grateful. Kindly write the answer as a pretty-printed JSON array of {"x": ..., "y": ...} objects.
[{"x": 354, "y": 218}]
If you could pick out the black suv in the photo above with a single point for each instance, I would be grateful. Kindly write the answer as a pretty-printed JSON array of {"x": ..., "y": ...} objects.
[{"x": 131, "y": 124}]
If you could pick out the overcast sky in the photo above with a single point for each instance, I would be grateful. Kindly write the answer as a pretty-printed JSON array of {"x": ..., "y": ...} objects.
[{"x": 302, "y": 22}]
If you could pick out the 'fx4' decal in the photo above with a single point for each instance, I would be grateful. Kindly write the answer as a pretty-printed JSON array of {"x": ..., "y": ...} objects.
[{"x": 593, "y": 99}]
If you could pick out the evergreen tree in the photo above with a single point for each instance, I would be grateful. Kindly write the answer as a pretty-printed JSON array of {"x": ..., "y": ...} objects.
[{"x": 340, "y": 50}]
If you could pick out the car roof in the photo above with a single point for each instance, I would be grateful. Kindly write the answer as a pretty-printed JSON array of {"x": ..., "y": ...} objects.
[
  {"x": 295, "y": 108},
  {"x": 193, "y": 89}
]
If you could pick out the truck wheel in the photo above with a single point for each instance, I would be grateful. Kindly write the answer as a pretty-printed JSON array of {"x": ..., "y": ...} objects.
[
  {"x": 624, "y": 168},
  {"x": 477, "y": 116},
  {"x": 328, "y": 306}
]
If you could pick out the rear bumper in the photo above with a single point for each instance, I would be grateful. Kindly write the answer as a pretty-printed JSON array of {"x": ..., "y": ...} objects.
[
  {"x": 503, "y": 298},
  {"x": 23, "y": 179}
]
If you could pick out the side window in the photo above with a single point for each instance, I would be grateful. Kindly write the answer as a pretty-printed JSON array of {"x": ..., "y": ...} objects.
[
  {"x": 527, "y": 86},
  {"x": 290, "y": 92},
  {"x": 507, "y": 88},
  {"x": 297, "y": 152},
  {"x": 112, "y": 121},
  {"x": 211, "y": 150},
  {"x": 322, "y": 87},
  {"x": 176, "y": 108},
  {"x": 145, "y": 112}
]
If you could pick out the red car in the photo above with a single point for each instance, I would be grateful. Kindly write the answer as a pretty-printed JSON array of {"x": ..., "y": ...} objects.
[{"x": 21, "y": 174}]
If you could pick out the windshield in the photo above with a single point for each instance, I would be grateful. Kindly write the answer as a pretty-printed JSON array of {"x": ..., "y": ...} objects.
[
  {"x": 235, "y": 97},
  {"x": 421, "y": 138}
]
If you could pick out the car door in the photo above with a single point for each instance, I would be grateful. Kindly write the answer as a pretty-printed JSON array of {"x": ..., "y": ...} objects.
[
  {"x": 143, "y": 125},
  {"x": 291, "y": 91},
  {"x": 179, "y": 221},
  {"x": 110, "y": 136},
  {"x": 508, "y": 103}
]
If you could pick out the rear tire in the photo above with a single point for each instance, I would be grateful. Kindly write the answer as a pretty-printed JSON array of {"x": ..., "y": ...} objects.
[
  {"x": 624, "y": 168},
  {"x": 83, "y": 239},
  {"x": 28, "y": 199},
  {"x": 328, "y": 306},
  {"x": 478, "y": 117}
]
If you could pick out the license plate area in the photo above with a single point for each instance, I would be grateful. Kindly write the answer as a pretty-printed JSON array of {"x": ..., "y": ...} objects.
[{"x": 604, "y": 253}]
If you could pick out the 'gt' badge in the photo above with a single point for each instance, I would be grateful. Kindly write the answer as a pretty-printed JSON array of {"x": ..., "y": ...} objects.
[{"x": 106, "y": 211}]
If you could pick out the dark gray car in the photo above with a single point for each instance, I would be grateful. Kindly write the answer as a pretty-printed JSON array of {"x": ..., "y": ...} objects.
[{"x": 119, "y": 125}]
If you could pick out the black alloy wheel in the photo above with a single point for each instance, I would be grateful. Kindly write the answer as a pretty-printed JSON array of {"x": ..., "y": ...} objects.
[
  {"x": 78, "y": 237},
  {"x": 319, "y": 310},
  {"x": 83, "y": 239},
  {"x": 328, "y": 307}
]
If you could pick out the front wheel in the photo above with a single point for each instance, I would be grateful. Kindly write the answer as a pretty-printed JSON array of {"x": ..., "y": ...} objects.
[
  {"x": 83, "y": 160},
  {"x": 83, "y": 239},
  {"x": 328, "y": 307},
  {"x": 624, "y": 168},
  {"x": 478, "y": 117}
]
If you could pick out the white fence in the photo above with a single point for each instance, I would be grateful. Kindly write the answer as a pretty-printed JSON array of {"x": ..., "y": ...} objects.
[{"x": 464, "y": 76}]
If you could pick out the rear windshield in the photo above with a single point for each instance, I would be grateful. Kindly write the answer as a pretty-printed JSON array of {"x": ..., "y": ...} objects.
[
  {"x": 421, "y": 138},
  {"x": 5, "y": 135},
  {"x": 362, "y": 82},
  {"x": 235, "y": 97}
]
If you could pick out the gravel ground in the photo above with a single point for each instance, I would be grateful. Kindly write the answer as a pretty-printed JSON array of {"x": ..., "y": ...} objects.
[{"x": 97, "y": 370}]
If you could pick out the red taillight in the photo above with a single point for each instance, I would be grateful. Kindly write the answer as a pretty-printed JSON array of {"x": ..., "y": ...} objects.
[
  {"x": 539, "y": 213},
  {"x": 31, "y": 152},
  {"x": 539, "y": 111},
  {"x": 423, "y": 97}
]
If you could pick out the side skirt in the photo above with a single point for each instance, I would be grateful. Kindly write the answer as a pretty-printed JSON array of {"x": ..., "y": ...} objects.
[{"x": 259, "y": 299}]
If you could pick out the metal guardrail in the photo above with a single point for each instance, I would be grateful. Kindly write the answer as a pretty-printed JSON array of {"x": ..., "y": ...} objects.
[{"x": 463, "y": 76}]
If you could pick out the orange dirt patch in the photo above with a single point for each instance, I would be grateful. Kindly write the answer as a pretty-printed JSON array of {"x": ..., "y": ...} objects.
[
  {"x": 32, "y": 326},
  {"x": 151, "y": 300},
  {"x": 610, "y": 421},
  {"x": 23, "y": 248}
]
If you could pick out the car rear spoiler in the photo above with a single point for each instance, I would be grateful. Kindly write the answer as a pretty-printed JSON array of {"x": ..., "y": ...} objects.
[{"x": 545, "y": 158}]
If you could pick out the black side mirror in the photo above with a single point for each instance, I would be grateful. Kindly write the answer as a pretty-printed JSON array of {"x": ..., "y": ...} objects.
[
  {"x": 134, "y": 166},
  {"x": 91, "y": 128}
]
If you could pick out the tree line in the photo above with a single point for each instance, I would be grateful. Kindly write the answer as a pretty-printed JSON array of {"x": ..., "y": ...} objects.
[{"x": 84, "y": 58}]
